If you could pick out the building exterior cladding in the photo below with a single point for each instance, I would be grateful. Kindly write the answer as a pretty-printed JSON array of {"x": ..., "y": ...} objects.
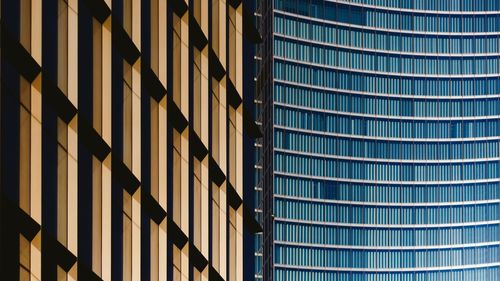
[
  {"x": 380, "y": 156},
  {"x": 122, "y": 127}
]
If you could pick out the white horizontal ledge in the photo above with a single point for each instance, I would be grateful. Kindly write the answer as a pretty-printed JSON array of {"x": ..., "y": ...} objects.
[
  {"x": 383, "y": 51},
  {"x": 362, "y": 93},
  {"x": 417, "y": 11},
  {"x": 383, "y": 160},
  {"x": 387, "y": 182},
  {"x": 322, "y": 133},
  {"x": 387, "y": 248},
  {"x": 411, "y": 269},
  {"x": 385, "y": 73},
  {"x": 392, "y": 117},
  {"x": 367, "y": 225},
  {"x": 387, "y": 204},
  {"x": 378, "y": 29}
]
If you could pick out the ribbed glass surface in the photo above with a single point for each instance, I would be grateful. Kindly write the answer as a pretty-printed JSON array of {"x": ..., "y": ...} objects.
[{"x": 386, "y": 140}]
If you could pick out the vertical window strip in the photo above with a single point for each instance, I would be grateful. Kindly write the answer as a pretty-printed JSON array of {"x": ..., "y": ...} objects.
[{"x": 97, "y": 166}]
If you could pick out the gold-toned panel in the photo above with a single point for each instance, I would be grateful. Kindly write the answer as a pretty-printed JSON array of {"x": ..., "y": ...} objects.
[{"x": 225, "y": 146}]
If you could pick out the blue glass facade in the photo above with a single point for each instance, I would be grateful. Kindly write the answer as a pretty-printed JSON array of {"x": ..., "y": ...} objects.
[{"x": 384, "y": 136}]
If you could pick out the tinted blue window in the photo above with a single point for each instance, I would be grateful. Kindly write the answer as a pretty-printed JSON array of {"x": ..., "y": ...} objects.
[{"x": 386, "y": 140}]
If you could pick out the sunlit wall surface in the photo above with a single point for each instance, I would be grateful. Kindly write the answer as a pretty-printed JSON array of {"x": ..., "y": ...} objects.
[
  {"x": 385, "y": 141},
  {"x": 123, "y": 140}
]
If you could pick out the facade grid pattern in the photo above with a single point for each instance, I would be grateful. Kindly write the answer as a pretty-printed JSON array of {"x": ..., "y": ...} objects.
[
  {"x": 122, "y": 132},
  {"x": 384, "y": 140}
]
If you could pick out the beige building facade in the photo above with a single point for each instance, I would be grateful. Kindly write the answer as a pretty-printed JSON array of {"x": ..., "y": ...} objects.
[{"x": 122, "y": 131}]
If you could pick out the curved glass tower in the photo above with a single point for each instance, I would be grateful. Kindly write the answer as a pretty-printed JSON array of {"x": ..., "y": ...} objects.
[{"x": 382, "y": 118}]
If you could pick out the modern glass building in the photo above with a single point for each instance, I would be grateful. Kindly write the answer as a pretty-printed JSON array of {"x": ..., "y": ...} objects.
[{"x": 380, "y": 156}]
